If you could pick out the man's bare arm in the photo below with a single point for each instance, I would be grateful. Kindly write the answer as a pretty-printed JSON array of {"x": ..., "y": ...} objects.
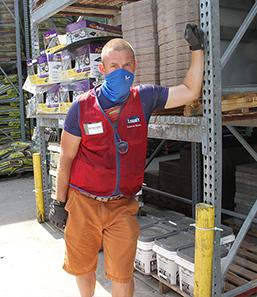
[
  {"x": 191, "y": 87},
  {"x": 69, "y": 148}
]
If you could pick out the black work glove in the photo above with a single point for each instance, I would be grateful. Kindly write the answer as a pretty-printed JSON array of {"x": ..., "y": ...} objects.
[
  {"x": 194, "y": 37},
  {"x": 57, "y": 214}
]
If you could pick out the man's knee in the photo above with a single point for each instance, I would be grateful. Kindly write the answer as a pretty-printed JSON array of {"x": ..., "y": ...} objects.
[
  {"x": 123, "y": 289},
  {"x": 86, "y": 284}
]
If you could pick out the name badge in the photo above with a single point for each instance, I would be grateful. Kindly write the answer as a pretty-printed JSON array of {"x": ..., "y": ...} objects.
[{"x": 93, "y": 128}]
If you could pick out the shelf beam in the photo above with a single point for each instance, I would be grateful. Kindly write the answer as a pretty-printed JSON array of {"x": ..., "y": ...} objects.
[
  {"x": 51, "y": 7},
  {"x": 176, "y": 128}
]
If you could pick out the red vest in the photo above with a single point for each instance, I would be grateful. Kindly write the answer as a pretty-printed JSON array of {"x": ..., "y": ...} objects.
[{"x": 98, "y": 167}]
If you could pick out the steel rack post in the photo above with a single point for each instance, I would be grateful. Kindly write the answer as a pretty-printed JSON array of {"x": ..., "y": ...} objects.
[
  {"x": 26, "y": 28},
  {"x": 212, "y": 147},
  {"x": 19, "y": 69},
  {"x": 35, "y": 53},
  {"x": 34, "y": 35},
  {"x": 196, "y": 175}
]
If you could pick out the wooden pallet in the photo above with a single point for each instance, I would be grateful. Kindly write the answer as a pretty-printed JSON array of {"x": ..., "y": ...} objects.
[
  {"x": 165, "y": 287},
  {"x": 233, "y": 103},
  {"x": 243, "y": 269}
]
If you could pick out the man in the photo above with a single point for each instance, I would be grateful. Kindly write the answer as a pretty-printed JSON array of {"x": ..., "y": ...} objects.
[{"x": 101, "y": 167}]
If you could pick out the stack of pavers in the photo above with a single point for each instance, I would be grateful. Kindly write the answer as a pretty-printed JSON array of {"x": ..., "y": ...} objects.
[
  {"x": 246, "y": 188},
  {"x": 140, "y": 29},
  {"x": 7, "y": 32},
  {"x": 172, "y": 17},
  {"x": 9, "y": 110}
]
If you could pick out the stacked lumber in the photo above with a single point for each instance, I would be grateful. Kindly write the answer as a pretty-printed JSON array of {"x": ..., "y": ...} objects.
[
  {"x": 231, "y": 103},
  {"x": 7, "y": 32},
  {"x": 172, "y": 17},
  {"x": 246, "y": 187},
  {"x": 139, "y": 29}
]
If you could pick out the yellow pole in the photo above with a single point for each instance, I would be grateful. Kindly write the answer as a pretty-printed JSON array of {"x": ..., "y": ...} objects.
[
  {"x": 204, "y": 238},
  {"x": 38, "y": 187}
]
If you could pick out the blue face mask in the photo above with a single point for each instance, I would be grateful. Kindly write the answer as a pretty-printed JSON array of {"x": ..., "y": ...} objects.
[{"x": 116, "y": 86}]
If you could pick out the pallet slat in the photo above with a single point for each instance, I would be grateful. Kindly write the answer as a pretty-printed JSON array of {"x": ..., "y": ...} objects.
[
  {"x": 245, "y": 273},
  {"x": 245, "y": 263}
]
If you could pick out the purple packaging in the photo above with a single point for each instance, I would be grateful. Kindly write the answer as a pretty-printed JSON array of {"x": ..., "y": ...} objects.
[
  {"x": 42, "y": 65},
  {"x": 50, "y": 39},
  {"x": 89, "y": 29},
  {"x": 53, "y": 96},
  {"x": 93, "y": 25},
  {"x": 88, "y": 57}
]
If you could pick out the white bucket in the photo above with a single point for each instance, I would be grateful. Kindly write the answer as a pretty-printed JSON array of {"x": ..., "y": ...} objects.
[{"x": 167, "y": 269}]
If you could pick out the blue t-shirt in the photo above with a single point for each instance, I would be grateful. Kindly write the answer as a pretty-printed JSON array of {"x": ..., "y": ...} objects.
[{"x": 152, "y": 97}]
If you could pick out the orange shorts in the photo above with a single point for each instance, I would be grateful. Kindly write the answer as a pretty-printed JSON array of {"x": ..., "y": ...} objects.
[{"x": 94, "y": 224}]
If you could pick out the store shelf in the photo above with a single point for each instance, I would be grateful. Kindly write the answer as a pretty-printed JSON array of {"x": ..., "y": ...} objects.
[
  {"x": 242, "y": 120},
  {"x": 49, "y": 8},
  {"x": 176, "y": 128},
  {"x": 51, "y": 120},
  {"x": 239, "y": 89},
  {"x": 77, "y": 8}
]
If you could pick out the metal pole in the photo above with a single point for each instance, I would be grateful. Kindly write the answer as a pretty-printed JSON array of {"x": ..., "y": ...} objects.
[
  {"x": 249, "y": 288},
  {"x": 240, "y": 33},
  {"x": 9, "y": 10},
  {"x": 19, "y": 70},
  {"x": 196, "y": 175},
  {"x": 26, "y": 28},
  {"x": 212, "y": 148},
  {"x": 10, "y": 82},
  {"x": 156, "y": 151},
  {"x": 240, "y": 236},
  {"x": 175, "y": 197},
  {"x": 187, "y": 201},
  {"x": 244, "y": 143}
]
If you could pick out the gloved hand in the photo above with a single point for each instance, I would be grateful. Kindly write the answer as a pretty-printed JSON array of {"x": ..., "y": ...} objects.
[
  {"x": 194, "y": 37},
  {"x": 57, "y": 214}
]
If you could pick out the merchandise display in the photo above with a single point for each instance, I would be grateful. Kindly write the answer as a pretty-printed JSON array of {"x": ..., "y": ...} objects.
[{"x": 88, "y": 29}]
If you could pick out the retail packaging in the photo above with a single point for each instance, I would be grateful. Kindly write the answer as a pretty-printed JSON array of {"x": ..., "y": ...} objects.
[
  {"x": 89, "y": 29},
  {"x": 185, "y": 263},
  {"x": 166, "y": 251},
  {"x": 87, "y": 59},
  {"x": 82, "y": 86},
  {"x": 55, "y": 67},
  {"x": 42, "y": 65},
  {"x": 50, "y": 39},
  {"x": 53, "y": 96},
  {"x": 145, "y": 261}
]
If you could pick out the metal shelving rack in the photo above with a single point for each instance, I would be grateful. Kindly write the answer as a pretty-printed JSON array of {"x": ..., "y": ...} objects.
[
  {"x": 17, "y": 21},
  {"x": 204, "y": 132}
]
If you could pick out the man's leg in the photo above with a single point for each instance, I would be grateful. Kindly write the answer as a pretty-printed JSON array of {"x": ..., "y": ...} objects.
[
  {"x": 86, "y": 284},
  {"x": 123, "y": 289}
]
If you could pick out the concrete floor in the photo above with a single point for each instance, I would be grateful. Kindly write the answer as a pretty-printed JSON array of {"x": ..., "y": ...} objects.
[{"x": 31, "y": 254}]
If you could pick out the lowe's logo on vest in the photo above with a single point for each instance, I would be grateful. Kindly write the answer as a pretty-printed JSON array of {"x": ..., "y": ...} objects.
[{"x": 133, "y": 122}]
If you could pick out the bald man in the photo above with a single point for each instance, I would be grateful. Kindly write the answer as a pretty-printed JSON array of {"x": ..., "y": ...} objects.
[{"x": 102, "y": 159}]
